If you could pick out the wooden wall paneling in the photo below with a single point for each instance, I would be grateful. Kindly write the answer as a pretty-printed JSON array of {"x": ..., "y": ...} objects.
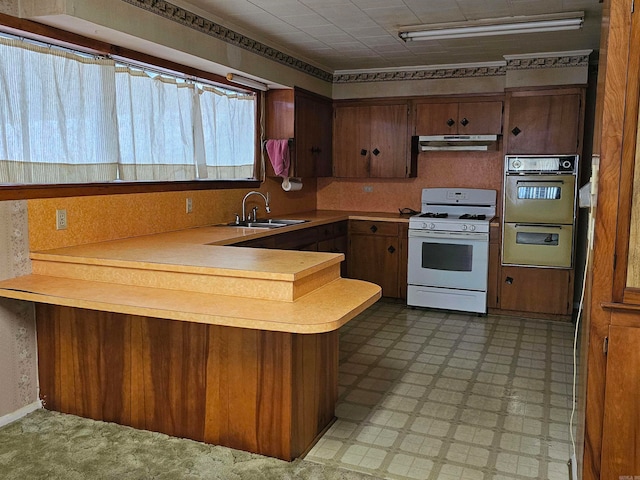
[
  {"x": 48, "y": 345},
  {"x": 616, "y": 44},
  {"x": 174, "y": 356},
  {"x": 315, "y": 391},
  {"x": 223, "y": 385},
  {"x": 135, "y": 386}
]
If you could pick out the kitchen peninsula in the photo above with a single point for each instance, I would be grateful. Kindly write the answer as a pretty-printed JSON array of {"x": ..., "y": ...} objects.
[{"x": 181, "y": 334}]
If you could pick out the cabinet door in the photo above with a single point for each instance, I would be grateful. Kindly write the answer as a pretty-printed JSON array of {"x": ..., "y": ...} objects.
[
  {"x": 537, "y": 290},
  {"x": 544, "y": 124},
  {"x": 389, "y": 141},
  {"x": 351, "y": 141},
  {"x": 313, "y": 132},
  {"x": 374, "y": 258},
  {"x": 480, "y": 118},
  {"x": 436, "y": 118},
  {"x": 621, "y": 425}
]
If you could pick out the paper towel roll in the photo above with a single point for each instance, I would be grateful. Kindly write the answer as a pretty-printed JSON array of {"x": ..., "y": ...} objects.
[{"x": 291, "y": 184}]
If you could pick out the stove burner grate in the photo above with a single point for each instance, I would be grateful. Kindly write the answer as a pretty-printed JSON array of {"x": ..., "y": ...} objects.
[
  {"x": 434, "y": 215},
  {"x": 469, "y": 216}
]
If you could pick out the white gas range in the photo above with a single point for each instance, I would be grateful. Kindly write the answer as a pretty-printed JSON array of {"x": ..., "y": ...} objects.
[{"x": 449, "y": 249}]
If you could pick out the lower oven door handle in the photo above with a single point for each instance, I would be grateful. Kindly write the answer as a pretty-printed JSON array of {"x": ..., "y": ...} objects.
[{"x": 538, "y": 225}]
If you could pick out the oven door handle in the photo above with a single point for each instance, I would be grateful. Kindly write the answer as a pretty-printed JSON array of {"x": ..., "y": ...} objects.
[
  {"x": 518, "y": 182},
  {"x": 544, "y": 225},
  {"x": 415, "y": 233}
]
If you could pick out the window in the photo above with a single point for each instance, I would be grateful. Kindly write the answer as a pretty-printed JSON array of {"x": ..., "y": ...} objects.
[{"x": 74, "y": 118}]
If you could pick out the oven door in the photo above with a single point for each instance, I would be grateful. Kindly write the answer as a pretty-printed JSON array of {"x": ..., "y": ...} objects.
[
  {"x": 537, "y": 245},
  {"x": 448, "y": 259},
  {"x": 539, "y": 199}
]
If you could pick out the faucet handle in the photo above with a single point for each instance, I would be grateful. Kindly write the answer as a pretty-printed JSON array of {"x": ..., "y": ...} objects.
[
  {"x": 237, "y": 219},
  {"x": 254, "y": 214}
]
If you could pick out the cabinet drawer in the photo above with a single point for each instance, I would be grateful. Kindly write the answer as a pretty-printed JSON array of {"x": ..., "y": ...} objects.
[
  {"x": 332, "y": 230},
  {"x": 373, "y": 228}
]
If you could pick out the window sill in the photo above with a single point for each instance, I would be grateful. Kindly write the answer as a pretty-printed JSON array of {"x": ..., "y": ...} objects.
[{"x": 22, "y": 192}]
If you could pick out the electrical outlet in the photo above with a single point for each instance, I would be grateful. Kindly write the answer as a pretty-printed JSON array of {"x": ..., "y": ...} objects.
[
  {"x": 368, "y": 188},
  {"x": 189, "y": 205},
  {"x": 61, "y": 219}
]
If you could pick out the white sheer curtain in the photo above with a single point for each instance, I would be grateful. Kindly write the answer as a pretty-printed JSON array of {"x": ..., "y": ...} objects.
[
  {"x": 57, "y": 116},
  {"x": 156, "y": 117},
  {"x": 228, "y": 124},
  {"x": 69, "y": 118}
]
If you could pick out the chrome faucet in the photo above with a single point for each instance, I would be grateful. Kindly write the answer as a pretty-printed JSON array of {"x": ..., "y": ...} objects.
[{"x": 244, "y": 200}]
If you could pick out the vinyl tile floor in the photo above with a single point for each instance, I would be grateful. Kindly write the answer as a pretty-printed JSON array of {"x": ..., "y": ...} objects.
[{"x": 428, "y": 395}]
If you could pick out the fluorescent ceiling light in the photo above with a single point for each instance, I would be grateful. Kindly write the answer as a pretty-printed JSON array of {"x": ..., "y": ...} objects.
[
  {"x": 247, "y": 82},
  {"x": 494, "y": 26}
]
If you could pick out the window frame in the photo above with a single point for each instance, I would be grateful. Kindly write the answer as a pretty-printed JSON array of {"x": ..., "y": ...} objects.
[{"x": 39, "y": 32}]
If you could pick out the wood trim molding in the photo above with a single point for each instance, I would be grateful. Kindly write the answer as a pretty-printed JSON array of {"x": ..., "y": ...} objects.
[{"x": 25, "y": 192}]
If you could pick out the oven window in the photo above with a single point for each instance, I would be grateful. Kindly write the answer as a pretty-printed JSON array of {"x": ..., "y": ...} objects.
[
  {"x": 445, "y": 256},
  {"x": 539, "y": 193},
  {"x": 532, "y": 238}
]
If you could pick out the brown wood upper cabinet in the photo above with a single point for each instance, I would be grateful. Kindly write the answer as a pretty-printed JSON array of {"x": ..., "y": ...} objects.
[
  {"x": 306, "y": 118},
  {"x": 545, "y": 122},
  {"x": 372, "y": 140},
  {"x": 453, "y": 118}
]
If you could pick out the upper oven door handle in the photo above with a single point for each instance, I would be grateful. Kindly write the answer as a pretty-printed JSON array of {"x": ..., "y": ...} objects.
[{"x": 540, "y": 181}]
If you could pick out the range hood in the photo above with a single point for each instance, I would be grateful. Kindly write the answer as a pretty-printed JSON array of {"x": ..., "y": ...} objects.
[{"x": 457, "y": 142}]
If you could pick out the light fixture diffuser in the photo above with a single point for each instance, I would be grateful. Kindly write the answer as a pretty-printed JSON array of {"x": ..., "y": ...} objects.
[
  {"x": 494, "y": 26},
  {"x": 247, "y": 82}
]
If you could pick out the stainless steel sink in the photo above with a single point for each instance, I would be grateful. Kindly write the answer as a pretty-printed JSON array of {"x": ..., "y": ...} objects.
[
  {"x": 284, "y": 221},
  {"x": 268, "y": 223}
]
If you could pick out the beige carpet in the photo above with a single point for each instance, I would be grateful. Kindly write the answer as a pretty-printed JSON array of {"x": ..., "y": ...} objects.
[{"x": 50, "y": 445}]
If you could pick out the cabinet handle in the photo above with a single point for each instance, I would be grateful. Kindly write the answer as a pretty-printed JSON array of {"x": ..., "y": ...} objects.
[
  {"x": 516, "y": 131},
  {"x": 376, "y": 152},
  {"x": 373, "y": 228},
  {"x": 508, "y": 280},
  {"x": 315, "y": 150},
  {"x": 464, "y": 122},
  {"x": 363, "y": 152},
  {"x": 391, "y": 249},
  {"x": 451, "y": 122}
]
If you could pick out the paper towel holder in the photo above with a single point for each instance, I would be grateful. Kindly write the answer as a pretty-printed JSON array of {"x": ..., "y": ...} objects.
[{"x": 291, "y": 184}]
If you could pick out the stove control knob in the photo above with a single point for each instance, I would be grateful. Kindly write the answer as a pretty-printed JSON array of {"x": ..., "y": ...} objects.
[
  {"x": 472, "y": 227},
  {"x": 432, "y": 226},
  {"x": 464, "y": 227}
]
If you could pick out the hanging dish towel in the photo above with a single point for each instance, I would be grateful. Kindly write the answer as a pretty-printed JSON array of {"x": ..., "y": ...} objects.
[{"x": 278, "y": 151}]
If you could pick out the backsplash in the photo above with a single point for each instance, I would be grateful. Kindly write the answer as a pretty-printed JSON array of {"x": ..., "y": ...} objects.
[
  {"x": 110, "y": 217},
  {"x": 435, "y": 169}
]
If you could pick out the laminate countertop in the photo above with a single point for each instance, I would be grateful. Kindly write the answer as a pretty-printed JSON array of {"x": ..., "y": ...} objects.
[{"x": 195, "y": 275}]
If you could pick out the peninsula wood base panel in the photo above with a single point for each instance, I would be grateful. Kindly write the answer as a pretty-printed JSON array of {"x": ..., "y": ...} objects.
[{"x": 271, "y": 393}]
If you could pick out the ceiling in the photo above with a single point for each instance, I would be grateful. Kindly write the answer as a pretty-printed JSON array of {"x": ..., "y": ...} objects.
[{"x": 347, "y": 35}]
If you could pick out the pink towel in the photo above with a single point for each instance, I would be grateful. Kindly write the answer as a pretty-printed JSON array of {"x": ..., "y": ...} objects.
[{"x": 278, "y": 151}]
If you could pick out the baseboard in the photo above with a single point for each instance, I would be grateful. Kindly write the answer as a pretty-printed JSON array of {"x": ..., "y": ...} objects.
[{"x": 18, "y": 414}]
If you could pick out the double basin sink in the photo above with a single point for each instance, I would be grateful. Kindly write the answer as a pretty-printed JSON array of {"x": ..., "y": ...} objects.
[{"x": 267, "y": 223}]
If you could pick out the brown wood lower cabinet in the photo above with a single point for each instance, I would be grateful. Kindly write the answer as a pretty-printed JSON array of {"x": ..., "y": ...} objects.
[
  {"x": 377, "y": 253},
  {"x": 537, "y": 290},
  {"x": 266, "y": 392}
]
